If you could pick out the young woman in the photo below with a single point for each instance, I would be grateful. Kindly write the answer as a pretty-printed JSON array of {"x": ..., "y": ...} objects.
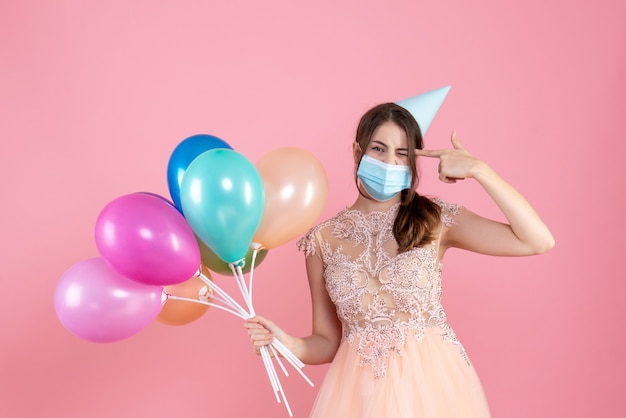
[{"x": 374, "y": 271}]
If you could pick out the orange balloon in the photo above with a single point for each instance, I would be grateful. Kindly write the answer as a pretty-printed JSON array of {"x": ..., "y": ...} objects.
[
  {"x": 181, "y": 312},
  {"x": 296, "y": 188}
]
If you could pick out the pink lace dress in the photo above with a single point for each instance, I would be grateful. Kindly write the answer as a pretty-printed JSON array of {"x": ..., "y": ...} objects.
[{"x": 398, "y": 356}]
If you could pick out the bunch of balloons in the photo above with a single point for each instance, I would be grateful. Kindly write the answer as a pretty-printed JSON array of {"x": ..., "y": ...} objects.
[{"x": 157, "y": 255}]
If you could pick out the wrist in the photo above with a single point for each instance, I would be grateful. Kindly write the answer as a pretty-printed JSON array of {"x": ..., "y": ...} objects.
[
  {"x": 291, "y": 343},
  {"x": 481, "y": 171}
]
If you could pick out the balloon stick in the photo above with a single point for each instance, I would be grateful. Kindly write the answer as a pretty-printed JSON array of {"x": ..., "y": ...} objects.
[
  {"x": 248, "y": 294},
  {"x": 268, "y": 368},
  {"x": 255, "y": 249},
  {"x": 226, "y": 296},
  {"x": 242, "y": 286},
  {"x": 280, "y": 363},
  {"x": 274, "y": 377},
  {"x": 173, "y": 297}
]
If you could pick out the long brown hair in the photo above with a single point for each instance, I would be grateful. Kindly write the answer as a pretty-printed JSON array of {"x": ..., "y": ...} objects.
[{"x": 418, "y": 216}]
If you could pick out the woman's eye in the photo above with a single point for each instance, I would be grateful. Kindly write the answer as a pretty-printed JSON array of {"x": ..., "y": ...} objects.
[{"x": 379, "y": 149}]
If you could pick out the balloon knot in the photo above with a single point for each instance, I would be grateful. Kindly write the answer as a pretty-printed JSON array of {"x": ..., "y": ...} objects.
[{"x": 240, "y": 263}]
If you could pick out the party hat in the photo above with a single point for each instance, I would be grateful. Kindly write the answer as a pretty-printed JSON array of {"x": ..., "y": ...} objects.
[{"x": 425, "y": 106}]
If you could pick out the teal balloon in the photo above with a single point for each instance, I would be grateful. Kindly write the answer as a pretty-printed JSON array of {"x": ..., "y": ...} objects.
[{"x": 222, "y": 198}]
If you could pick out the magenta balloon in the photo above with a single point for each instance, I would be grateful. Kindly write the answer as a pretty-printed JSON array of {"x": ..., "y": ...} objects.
[
  {"x": 146, "y": 239},
  {"x": 96, "y": 303}
]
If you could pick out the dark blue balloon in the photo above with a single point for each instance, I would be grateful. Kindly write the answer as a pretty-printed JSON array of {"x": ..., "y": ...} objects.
[
  {"x": 183, "y": 155},
  {"x": 158, "y": 196}
]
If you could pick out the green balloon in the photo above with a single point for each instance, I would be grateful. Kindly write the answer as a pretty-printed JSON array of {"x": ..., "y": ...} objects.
[{"x": 214, "y": 263}]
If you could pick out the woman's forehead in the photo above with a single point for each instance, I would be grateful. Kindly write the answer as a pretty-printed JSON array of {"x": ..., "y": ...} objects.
[{"x": 391, "y": 135}]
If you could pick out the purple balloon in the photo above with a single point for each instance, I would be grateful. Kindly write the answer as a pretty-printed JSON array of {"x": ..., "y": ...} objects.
[
  {"x": 146, "y": 239},
  {"x": 96, "y": 303}
]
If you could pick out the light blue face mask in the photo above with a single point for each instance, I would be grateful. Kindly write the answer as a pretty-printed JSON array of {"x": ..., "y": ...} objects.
[{"x": 383, "y": 181}]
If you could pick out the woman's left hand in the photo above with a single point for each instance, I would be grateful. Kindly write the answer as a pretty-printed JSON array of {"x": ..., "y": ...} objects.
[{"x": 455, "y": 163}]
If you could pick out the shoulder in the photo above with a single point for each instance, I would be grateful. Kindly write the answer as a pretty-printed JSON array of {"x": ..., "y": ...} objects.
[
  {"x": 310, "y": 240},
  {"x": 448, "y": 210}
]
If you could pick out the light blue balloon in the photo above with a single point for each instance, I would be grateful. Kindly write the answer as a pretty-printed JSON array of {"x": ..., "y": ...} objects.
[{"x": 222, "y": 198}]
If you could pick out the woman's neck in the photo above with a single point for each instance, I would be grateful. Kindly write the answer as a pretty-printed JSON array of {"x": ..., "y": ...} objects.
[{"x": 367, "y": 205}]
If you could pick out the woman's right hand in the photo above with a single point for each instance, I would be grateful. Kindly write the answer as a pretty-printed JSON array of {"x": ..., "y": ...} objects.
[{"x": 262, "y": 332}]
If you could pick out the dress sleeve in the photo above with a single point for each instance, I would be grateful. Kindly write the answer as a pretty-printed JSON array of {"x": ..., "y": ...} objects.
[
  {"x": 308, "y": 243},
  {"x": 448, "y": 211}
]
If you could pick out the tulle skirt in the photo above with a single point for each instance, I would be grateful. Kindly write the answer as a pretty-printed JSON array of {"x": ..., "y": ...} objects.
[{"x": 430, "y": 379}]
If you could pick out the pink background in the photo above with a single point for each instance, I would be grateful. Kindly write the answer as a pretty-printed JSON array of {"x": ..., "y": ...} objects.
[{"x": 94, "y": 96}]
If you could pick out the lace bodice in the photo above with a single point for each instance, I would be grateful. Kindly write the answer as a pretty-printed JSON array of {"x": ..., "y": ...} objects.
[{"x": 380, "y": 295}]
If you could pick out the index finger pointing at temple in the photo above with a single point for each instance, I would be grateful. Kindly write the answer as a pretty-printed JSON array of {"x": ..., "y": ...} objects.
[{"x": 433, "y": 153}]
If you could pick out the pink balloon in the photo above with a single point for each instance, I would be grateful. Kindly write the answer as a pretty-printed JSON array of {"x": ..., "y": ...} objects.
[
  {"x": 96, "y": 303},
  {"x": 146, "y": 239}
]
